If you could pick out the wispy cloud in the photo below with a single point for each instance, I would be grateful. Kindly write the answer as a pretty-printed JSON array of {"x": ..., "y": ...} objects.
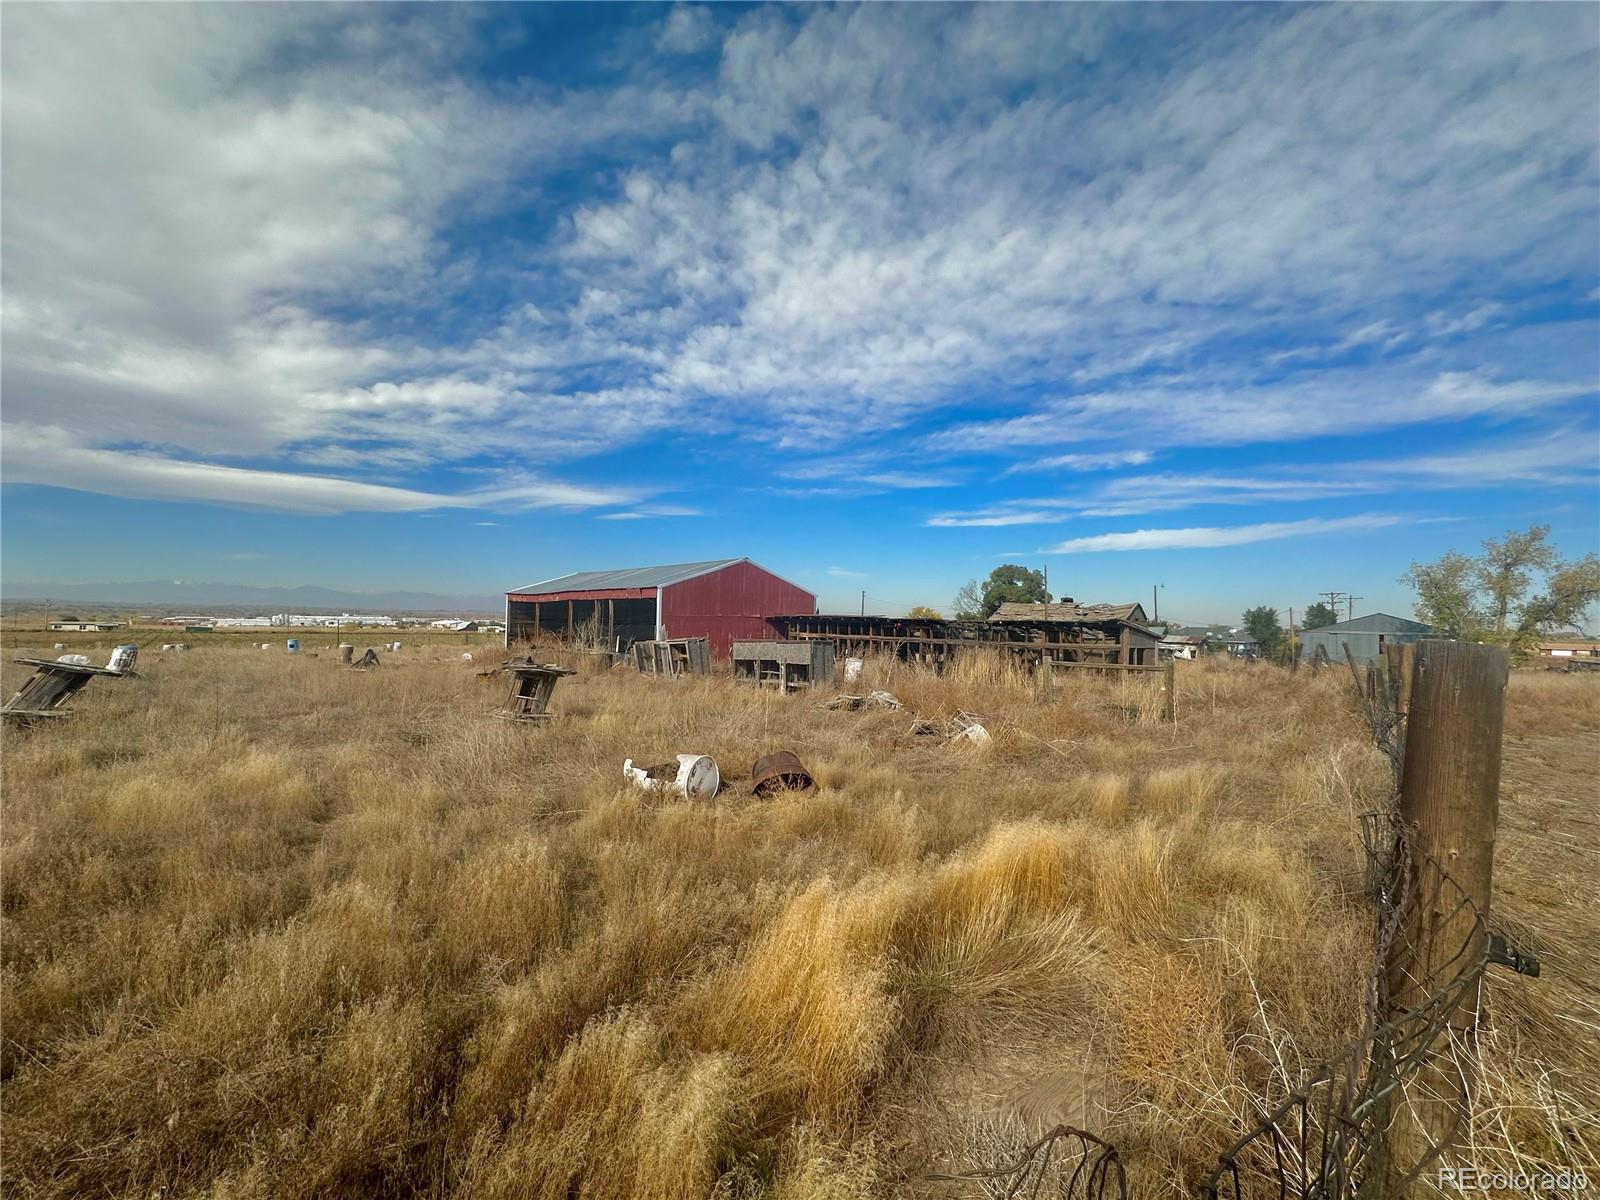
[
  {"x": 1209, "y": 537},
  {"x": 48, "y": 456},
  {"x": 1201, "y": 414},
  {"x": 841, "y": 573},
  {"x": 653, "y": 511},
  {"x": 800, "y": 230},
  {"x": 1083, "y": 462},
  {"x": 995, "y": 518}
]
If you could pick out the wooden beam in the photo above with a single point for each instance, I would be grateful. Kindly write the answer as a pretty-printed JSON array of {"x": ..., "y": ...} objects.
[{"x": 1449, "y": 806}]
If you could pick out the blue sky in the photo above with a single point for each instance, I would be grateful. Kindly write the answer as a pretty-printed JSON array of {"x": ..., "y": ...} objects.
[{"x": 1249, "y": 302}]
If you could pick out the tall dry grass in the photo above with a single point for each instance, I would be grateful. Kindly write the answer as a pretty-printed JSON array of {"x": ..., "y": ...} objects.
[{"x": 272, "y": 928}]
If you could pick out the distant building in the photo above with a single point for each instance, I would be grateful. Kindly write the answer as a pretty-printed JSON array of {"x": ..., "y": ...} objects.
[
  {"x": 1176, "y": 645},
  {"x": 1241, "y": 645},
  {"x": 1366, "y": 636},
  {"x": 455, "y": 626},
  {"x": 1570, "y": 656},
  {"x": 85, "y": 626}
]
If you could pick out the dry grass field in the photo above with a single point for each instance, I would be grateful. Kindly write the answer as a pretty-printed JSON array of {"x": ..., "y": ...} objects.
[{"x": 277, "y": 929}]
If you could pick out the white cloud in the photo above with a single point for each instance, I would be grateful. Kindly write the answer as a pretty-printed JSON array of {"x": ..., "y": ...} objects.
[
  {"x": 995, "y": 518},
  {"x": 1205, "y": 413},
  {"x": 654, "y": 510},
  {"x": 1084, "y": 462},
  {"x": 1569, "y": 455},
  {"x": 688, "y": 28},
  {"x": 841, "y": 573},
  {"x": 1474, "y": 319},
  {"x": 1213, "y": 536},
  {"x": 50, "y": 456},
  {"x": 868, "y": 214}
]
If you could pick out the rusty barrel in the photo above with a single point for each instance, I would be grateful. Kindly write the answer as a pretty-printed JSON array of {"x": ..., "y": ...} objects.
[
  {"x": 779, "y": 772},
  {"x": 347, "y": 653}
]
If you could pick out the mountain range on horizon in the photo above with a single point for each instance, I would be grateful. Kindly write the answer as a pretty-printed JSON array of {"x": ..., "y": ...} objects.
[{"x": 300, "y": 598}]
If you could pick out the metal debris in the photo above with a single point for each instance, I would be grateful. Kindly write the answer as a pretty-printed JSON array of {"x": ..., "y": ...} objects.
[
  {"x": 366, "y": 661},
  {"x": 691, "y": 775},
  {"x": 779, "y": 772},
  {"x": 967, "y": 727}
]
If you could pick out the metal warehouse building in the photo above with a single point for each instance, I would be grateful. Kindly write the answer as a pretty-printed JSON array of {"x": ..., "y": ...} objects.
[
  {"x": 1366, "y": 636},
  {"x": 724, "y": 599}
]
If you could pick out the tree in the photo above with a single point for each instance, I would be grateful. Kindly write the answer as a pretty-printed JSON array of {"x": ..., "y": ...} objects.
[
  {"x": 1571, "y": 589},
  {"x": 1011, "y": 584},
  {"x": 923, "y": 612},
  {"x": 1319, "y": 614},
  {"x": 1503, "y": 570},
  {"x": 1262, "y": 624},
  {"x": 1446, "y": 594},
  {"x": 968, "y": 602}
]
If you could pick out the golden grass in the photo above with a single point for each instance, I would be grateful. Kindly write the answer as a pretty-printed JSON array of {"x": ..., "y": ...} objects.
[{"x": 272, "y": 928}]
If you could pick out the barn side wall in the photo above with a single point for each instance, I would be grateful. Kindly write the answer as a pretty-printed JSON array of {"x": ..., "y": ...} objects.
[
  {"x": 733, "y": 603},
  {"x": 1365, "y": 647}
]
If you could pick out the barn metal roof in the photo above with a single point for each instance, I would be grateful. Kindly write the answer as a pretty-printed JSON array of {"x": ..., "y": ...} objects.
[
  {"x": 628, "y": 577},
  {"x": 1372, "y": 623}
]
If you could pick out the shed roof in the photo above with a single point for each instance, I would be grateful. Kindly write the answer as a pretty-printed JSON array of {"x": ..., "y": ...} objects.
[
  {"x": 1013, "y": 610},
  {"x": 627, "y": 577},
  {"x": 1372, "y": 623}
]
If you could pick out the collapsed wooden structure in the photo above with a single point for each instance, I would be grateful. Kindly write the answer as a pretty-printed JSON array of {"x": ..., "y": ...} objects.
[
  {"x": 1033, "y": 634},
  {"x": 673, "y": 656},
  {"x": 48, "y": 689},
  {"x": 786, "y": 666},
  {"x": 531, "y": 689}
]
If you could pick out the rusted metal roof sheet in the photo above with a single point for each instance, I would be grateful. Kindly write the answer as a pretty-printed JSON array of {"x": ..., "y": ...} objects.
[
  {"x": 628, "y": 577},
  {"x": 1013, "y": 611}
]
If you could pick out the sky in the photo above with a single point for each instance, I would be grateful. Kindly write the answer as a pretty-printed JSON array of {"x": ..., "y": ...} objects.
[{"x": 1243, "y": 303}]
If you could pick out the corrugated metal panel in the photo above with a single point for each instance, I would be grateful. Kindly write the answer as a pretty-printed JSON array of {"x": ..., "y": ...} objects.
[
  {"x": 1377, "y": 623},
  {"x": 587, "y": 594},
  {"x": 1365, "y": 645},
  {"x": 628, "y": 577},
  {"x": 731, "y": 603}
]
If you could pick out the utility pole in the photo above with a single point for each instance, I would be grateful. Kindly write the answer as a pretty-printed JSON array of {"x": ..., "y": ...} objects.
[
  {"x": 1155, "y": 603},
  {"x": 1333, "y": 599},
  {"x": 1352, "y": 600}
]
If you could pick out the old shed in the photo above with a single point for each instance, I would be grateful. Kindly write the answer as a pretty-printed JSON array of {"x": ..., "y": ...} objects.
[
  {"x": 721, "y": 599},
  {"x": 1366, "y": 636}
]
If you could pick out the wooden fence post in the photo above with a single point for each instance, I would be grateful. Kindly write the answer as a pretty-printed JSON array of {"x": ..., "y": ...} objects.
[
  {"x": 1449, "y": 804},
  {"x": 1169, "y": 688}
]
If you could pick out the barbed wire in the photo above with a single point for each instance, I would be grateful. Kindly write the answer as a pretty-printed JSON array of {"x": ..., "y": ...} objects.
[
  {"x": 1072, "y": 1163},
  {"x": 1332, "y": 1133}
]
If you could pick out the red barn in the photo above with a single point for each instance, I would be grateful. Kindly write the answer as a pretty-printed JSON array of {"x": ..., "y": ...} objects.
[{"x": 724, "y": 599}]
